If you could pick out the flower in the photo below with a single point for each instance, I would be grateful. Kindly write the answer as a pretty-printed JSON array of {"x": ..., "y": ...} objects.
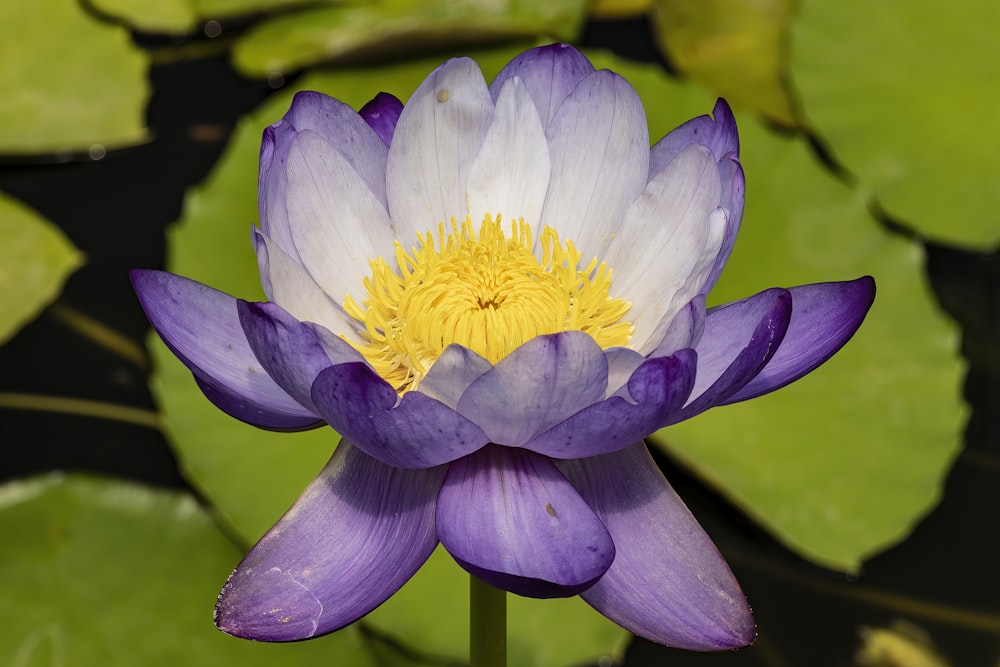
[{"x": 494, "y": 294}]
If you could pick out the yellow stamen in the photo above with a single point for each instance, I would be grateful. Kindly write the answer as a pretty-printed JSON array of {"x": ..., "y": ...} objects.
[{"x": 487, "y": 292}]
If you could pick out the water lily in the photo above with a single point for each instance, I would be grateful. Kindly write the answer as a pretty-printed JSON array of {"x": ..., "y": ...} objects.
[{"x": 493, "y": 294}]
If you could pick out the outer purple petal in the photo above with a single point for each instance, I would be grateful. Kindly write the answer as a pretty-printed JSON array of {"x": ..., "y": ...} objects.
[
  {"x": 824, "y": 317},
  {"x": 509, "y": 517},
  {"x": 719, "y": 135},
  {"x": 739, "y": 339},
  {"x": 353, "y": 538},
  {"x": 290, "y": 351},
  {"x": 668, "y": 582},
  {"x": 414, "y": 431},
  {"x": 656, "y": 392},
  {"x": 201, "y": 326},
  {"x": 550, "y": 73},
  {"x": 536, "y": 386},
  {"x": 382, "y": 113}
]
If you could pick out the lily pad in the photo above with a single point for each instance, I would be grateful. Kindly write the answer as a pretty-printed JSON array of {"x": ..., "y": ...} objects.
[
  {"x": 175, "y": 16},
  {"x": 842, "y": 463},
  {"x": 735, "y": 48},
  {"x": 67, "y": 99},
  {"x": 99, "y": 572},
  {"x": 902, "y": 91},
  {"x": 393, "y": 28},
  {"x": 252, "y": 476},
  {"x": 35, "y": 260}
]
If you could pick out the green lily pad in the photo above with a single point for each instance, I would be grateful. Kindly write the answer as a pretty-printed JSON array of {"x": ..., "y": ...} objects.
[
  {"x": 35, "y": 260},
  {"x": 903, "y": 93},
  {"x": 253, "y": 476},
  {"x": 393, "y": 28},
  {"x": 735, "y": 48},
  {"x": 99, "y": 572},
  {"x": 840, "y": 464},
  {"x": 67, "y": 100},
  {"x": 177, "y": 16}
]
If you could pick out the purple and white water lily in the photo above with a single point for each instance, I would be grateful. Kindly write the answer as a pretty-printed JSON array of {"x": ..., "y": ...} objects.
[{"x": 493, "y": 294}]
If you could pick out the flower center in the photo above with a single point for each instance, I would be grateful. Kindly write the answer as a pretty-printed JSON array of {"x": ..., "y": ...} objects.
[{"x": 487, "y": 292}]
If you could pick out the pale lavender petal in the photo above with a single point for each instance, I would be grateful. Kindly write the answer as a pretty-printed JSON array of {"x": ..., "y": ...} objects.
[
  {"x": 536, "y": 386},
  {"x": 656, "y": 392},
  {"x": 667, "y": 244},
  {"x": 599, "y": 146},
  {"x": 414, "y": 431},
  {"x": 347, "y": 132},
  {"x": 739, "y": 339},
  {"x": 452, "y": 373},
  {"x": 272, "y": 184},
  {"x": 720, "y": 135},
  {"x": 353, "y": 538},
  {"x": 287, "y": 283},
  {"x": 668, "y": 582},
  {"x": 824, "y": 317},
  {"x": 550, "y": 72},
  {"x": 510, "y": 175},
  {"x": 382, "y": 113},
  {"x": 289, "y": 350},
  {"x": 685, "y": 329},
  {"x": 202, "y": 327},
  {"x": 509, "y": 517},
  {"x": 622, "y": 363},
  {"x": 338, "y": 224},
  {"x": 437, "y": 138},
  {"x": 733, "y": 195}
]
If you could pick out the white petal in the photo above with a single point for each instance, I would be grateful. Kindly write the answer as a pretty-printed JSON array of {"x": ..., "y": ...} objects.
[
  {"x": 337, "y": 224},
  {"x": 292, "y": 288},
  {"x": 511, "y": 173},
  {"x": 667, "y": 243},
  {"x": 600, "y": 159},
  {"x": 437, "y": 138}
]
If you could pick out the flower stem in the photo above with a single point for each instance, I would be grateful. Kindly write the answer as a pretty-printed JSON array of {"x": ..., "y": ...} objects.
[{"x": 487, "y": 625}]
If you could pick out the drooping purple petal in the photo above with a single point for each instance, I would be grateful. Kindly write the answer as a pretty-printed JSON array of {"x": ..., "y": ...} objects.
[
  {"x": 201, "y": 326},
  {"x": 656, "y": 392},
  {"x": 337, "y": 223},
  {"x": 738, "y": 341},
  {"x": 382, "y": 114},
  {"x": 668, "y": 582},
  {"x": 824, "y": 317},
  {"x": 414, "y": 431},
  {"x": 289, "y": 350},
  {"x": 536, "y": 386},
  {"x": 353, "y": 538},
  {"x": 550, "y": 72},
  {"x": 509, "y": 517},
  {"x": 437, "y": 138},
  {"x": 510, "y": 175},
  {"x": 719, "y": 134},
  {"x": 599, "y": 145}
]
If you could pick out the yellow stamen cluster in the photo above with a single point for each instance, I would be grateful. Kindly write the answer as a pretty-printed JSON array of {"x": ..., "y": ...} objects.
[{"x": 487, "y": 292}]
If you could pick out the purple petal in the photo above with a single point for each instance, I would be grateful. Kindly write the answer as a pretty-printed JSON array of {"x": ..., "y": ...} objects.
[
  {"x": 720, "y": 135},
  {"x": 452, "y": 373},
  {"x": 353, "y": 538},
  {"x": 824, "y": 317},
  {"x": 550, "y": 72},
  {"x": 271, "y": 185},
  {"x": 739, "y": 339},
  {"x": 510, "y": 518},
  {"x": 201, "y": 326},
  {"x": 382, "y": 113},
  {"x": 289, "y": 350},
  {"x": 536, "y": 386},
  {"x": 656, "y": 392},
  {"x": 668, "y": 582},
  {"x": 414, "y": 431},
  {"x": 733, "y": 195},
  {"x": 685, "y": 330}
]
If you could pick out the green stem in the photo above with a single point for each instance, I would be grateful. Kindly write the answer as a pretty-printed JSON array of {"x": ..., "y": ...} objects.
[{"x": 487, "y": 625}]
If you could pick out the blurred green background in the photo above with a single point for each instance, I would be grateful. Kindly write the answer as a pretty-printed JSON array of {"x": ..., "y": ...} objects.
[{"x": 856, "y": 506}]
